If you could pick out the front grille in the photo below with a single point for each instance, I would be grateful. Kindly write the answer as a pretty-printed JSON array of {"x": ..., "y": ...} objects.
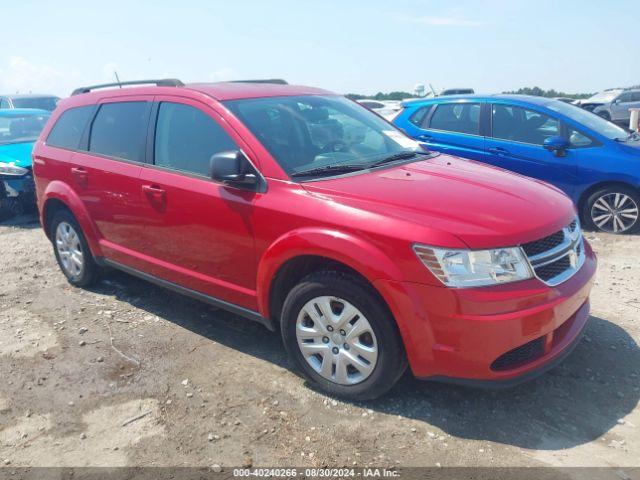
[
  {"x": 556, "y": 257},
  {"x": 519, "y": 356},
  {"x": 547, "y": 272},
  {"x": 547, "y": 243}
]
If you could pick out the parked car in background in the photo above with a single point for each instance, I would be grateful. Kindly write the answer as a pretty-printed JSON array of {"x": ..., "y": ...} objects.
[
  {"x": 613, "y": 104},
  {"x": 300, "y": 209},
  {"x": 457, "y": 91},
  {"x": 41, "y": 102},
  {"x": 384, "y": 108},
  {"x": 19, "y": 129},
  {"x": 593, "y": 161}
]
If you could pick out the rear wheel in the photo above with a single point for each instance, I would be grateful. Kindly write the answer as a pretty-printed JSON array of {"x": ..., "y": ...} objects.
[
  {"x": 72, "y": 251},
  {"x": 604, "y": 114},
  {"x": 341, "y": 336},
  {"x": 614, "y": 210}
]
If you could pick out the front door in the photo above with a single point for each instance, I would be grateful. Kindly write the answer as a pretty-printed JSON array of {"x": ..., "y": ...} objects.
[
  {"x": 197, "y": 233},
  {"x": 515, "y": 143}
]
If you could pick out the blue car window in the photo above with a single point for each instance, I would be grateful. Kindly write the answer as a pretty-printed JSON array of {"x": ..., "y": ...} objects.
[
  {"x": 518, "y": 124},
  {"x": 457, "y": 117}
]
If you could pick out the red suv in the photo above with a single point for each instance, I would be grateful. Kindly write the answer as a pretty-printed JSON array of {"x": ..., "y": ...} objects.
[{"x": 300, "y": 209}]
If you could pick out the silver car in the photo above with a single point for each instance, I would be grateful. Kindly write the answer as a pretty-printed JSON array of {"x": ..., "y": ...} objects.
[{"x": 613, "y": 104}]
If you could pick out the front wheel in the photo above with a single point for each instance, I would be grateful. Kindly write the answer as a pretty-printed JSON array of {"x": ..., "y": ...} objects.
[
  {"x": 614, "y": 210},
  {"x": 341, "y": 336}
]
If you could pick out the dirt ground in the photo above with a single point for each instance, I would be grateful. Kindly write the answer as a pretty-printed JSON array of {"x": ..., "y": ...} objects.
[{"x": 130, "y": 374}]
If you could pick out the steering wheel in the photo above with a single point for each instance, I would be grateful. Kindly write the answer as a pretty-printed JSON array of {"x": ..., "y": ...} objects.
[{"x": 333, "y": 146}]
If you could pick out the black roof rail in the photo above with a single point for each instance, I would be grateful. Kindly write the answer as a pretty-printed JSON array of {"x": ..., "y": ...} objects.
[
  {"x": 163, "y": 82},
  {"x": 277, "y": 81}
]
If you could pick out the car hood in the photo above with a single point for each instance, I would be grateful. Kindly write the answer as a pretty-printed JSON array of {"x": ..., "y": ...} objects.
[
  {"x": 482, "y": 206},
  {"x": 18, "y": 153}
]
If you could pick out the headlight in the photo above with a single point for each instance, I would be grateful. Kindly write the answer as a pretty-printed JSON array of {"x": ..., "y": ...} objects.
[
  {"x": 475, "y": 268},
  {"x": 12, "y": 170}
]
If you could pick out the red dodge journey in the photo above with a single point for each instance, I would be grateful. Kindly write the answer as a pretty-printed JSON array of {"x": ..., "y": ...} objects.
[{"x": 298, "y": 208}]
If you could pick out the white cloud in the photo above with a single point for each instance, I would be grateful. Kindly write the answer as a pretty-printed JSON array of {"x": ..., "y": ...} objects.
[
  {"x": 19, "y": 75},
  {"x": 439, "y": 21}
]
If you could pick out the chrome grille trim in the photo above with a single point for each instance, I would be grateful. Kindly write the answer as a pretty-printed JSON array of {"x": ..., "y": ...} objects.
[{"x": 572, "y": 246}]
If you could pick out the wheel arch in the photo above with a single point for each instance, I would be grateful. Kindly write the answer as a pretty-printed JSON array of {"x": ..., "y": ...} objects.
[
  {"x": 298, "y": 253},
  {"x": 58, "y": 196},
  {"x": 584, "y": 196}
]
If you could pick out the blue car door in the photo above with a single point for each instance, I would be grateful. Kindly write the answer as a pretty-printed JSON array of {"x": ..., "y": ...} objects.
[
  {"x": 453, "y": 128},
  {"x": 515, "y": 143}
]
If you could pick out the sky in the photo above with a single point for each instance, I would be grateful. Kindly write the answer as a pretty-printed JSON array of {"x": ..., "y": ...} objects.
[{"x": 54, "y": 46}]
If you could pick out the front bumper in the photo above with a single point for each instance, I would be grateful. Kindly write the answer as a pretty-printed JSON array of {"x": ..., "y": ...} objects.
[
  {"x": 17, "y": 193},
  {"x": 503, "y": 334}
]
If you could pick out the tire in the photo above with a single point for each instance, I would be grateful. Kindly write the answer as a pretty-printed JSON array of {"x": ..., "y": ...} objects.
[
  {"x": 604, "y": 114},
  {"x": 623, "y": 218},
  {"x": 351, "y": 371},
  {"x": 69, "y": 246}
]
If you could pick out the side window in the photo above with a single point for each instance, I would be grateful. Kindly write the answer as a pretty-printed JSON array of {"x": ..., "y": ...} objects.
[
  {"x": 457, "y": 117},
  {"x": 522, "y": 125},
  {"x": 579, "y": 140},
  {"x": 625, "y": 97},
  {"x": 635, "y": 96},
  {"x": 67, "y": 131},
  {"x": 186, "y": 138},
  {"x": 120, "y": 130},
  {"x": 418, "y": 117}
]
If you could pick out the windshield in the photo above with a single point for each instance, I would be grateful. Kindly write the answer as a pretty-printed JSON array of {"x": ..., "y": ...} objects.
[
  {"x": 312, "y": 132},
  {"x": 21, "y": 128},
  {"x": 604, "y": 97},
  {"x": 589, "y": 120},
  {"x": 42, "y": 103}
]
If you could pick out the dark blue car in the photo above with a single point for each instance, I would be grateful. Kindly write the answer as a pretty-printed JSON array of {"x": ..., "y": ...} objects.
[{"x": 593, "y": 161}]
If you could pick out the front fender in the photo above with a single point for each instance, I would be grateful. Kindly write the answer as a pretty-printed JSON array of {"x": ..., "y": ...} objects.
[
  {"x": 61, "y": 191},
  {"x": 355, "y": 252}
]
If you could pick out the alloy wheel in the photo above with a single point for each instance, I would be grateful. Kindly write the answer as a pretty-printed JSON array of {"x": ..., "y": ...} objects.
[
  {"x": 69, "y": 249},
  {"x": 614, "y": 212},
  {"x": 336, "y": 340}
]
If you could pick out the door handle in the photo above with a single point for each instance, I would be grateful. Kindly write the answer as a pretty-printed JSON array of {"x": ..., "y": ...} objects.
[
  {"x": 81, "y": 175},
  {"x": 154, "y": 191},
  {"x": 498, "y": 151}
]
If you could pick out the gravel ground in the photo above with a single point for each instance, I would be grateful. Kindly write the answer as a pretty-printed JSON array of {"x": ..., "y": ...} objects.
[{"x": 129, "y": 374}]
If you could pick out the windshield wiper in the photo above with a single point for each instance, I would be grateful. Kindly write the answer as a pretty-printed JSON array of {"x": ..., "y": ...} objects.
[
  {"x": 329, "y": 170},
  {"x": 397, "y": 156}
]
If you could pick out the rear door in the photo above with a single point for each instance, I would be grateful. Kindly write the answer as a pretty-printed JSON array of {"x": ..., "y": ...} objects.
[
  {"x": 515, "y": 143},
  {"x": 196, "y": 232},
  {"x": 105, "y": 173},
  {"x": 454, "y": 128}
]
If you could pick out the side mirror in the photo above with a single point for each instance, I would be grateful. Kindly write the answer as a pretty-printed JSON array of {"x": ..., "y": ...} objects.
[
  {"x": 557, "y": 145},
  {"x": 617, "y": 101},
  {"x": 232, "y": 168}
]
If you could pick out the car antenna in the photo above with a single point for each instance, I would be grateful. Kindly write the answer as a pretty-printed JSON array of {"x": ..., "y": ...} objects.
[{"x": 117, "y": 79}]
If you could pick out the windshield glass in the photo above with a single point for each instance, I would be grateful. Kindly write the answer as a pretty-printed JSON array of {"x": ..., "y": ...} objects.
[
  {"x": 311, "y": 132},
  {"x": 604, "y": 97},
  {"x": 42, "y": 103},
  {"x": 21, "y": 128},
  {"x": 589, "y": 120}
]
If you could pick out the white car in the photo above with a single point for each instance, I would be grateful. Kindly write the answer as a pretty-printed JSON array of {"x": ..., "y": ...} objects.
[{"x": 385, "y": 108}]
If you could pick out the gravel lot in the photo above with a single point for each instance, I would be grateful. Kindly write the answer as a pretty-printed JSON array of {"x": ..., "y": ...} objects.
[{"x": 130, "y": 374}]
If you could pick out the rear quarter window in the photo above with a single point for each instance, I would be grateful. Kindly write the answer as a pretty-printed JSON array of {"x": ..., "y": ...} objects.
[
  {"x": 418, "y": 117},
  {"x": 68, "y": 129}
]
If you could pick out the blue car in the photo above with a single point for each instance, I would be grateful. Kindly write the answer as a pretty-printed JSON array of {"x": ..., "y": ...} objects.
[
  {"x": 593, "y": 161},
  {"x": 19, "y": 129}
]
